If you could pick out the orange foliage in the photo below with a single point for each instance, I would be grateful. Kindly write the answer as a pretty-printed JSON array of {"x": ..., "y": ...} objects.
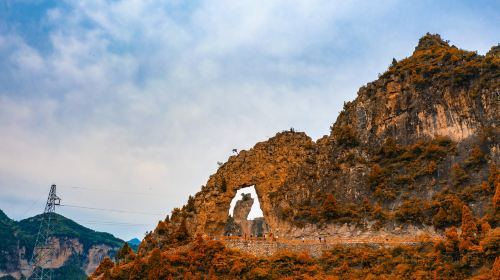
[
  {"x": 495, "y": 270},
  {"x": 451, "y": 243},
  {"x": 476, "y": 157},
  {"x": 105, "y": 266},
  {"x": 469, "y": 229},
  {"x": 211, "y": 260},
  {"x": 496, "y": 198},
  {"x": 329, "y": 207},
  {"x": 458, "y": 175},
  {"x": 125, "y": 253}
]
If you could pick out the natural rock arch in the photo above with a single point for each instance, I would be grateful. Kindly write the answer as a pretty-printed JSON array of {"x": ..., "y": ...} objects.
[{"x": 267, "y": 166}]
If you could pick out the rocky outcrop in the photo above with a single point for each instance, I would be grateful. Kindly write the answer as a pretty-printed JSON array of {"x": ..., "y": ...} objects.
[
  {"x": 95, "y": 255},
  {"x": 266, "y": 166},
  {"x": 394, "y": 159},
  {"x": 64, "y": 248},
  {"x": 241, "y": 211},
  {"x": 240, "y": 225}
]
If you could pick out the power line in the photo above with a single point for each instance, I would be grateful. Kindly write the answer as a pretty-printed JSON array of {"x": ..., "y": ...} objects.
[
  {"x": 112, "y": 210},
  {"x": 116, "y": 191},
  {"x": 32, "y": 205},
  {"x": 110, "y": 223}
]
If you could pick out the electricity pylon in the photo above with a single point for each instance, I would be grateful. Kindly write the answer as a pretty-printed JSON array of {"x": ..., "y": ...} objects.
[{"x": 44, "y": 249}]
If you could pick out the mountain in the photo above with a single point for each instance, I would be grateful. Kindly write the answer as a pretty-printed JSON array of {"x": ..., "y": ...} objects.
[
  {"x": 79, "y": 249},
  {"x": 409, "y": 172},
  {"x": 134, "y": 241}
]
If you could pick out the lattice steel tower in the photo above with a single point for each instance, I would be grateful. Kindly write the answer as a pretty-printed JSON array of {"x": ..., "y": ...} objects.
[{"x": 44, "y": 249}]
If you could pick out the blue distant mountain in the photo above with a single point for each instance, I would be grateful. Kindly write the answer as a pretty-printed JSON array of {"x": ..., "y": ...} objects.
[{"x": 134, "y": 241}]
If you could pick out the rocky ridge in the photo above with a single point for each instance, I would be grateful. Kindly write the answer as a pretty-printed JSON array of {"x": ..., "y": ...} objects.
[
  {"x": 415, "y": 155},
  {"x": 416, "y": 123}
]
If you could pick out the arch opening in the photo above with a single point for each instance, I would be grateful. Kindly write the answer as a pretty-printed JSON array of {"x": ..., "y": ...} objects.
[
  {"x": 255, "y": 211},
  {"x": 245, "y": 217}
]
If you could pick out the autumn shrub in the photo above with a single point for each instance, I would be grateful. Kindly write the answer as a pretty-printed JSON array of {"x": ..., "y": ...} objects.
[
  {"x": 404, "y": 179},
  {"x": 496, "y": 198},
  {"x": 493, "y": 176},
  {"x": 385, "y": 194},
  {"x": 431, "y": 167},
  {"x": 411, "y": 211},
  {"x": 125, "y": 254},
  {"x": 206, "y": 259},
  {"x": 376, "y": 175},
  {"x": 488, "y": 135},
  {"x": 495, "y": 270},
  {"x": 329, "y": 208},
  {"x": 469, "y": 229},
  {"x": 452, "y": 243},
  {"x": 345, "y": 135},
  {"x": 491, "y": 244},
  {"x": 476, "y": 157},
  {"x": 378, "y": 213},
  {"x": 105, "y": 266},
  {"x": 189, "y": 207},
  {"x": 447, "y": 209},
  {"x": 390, "y": 149},
  {"x": 458, "y": 175}
]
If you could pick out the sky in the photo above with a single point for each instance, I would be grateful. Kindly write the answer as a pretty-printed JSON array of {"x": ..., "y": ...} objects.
[{"x": 128, "y": 105}]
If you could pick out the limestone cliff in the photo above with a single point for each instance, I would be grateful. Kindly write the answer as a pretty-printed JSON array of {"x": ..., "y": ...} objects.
[
  {"x": 401, "y": 159},
  {"x": 240, "y": 225}
]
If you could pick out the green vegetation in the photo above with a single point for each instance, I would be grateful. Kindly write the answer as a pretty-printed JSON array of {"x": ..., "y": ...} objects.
[
  {"x": 23, "y": 234},
  {"x": 64, "y": 227},
  {"x": 70, "y": 270}
]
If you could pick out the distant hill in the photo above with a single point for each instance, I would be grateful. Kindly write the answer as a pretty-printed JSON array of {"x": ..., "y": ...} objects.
[
  {"x": 134, "y": 243},
  {"x": 80, "y": 248}
]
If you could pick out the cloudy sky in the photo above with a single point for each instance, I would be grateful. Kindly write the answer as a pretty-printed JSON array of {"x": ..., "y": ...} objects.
[{"x": 129, "y": 105}]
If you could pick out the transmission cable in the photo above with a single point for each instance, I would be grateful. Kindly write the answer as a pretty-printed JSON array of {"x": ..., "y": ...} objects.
[
  {"x": 109, "y": 223},
  {"x": 112, "y": 210},
  {"x": 116, "y": 191}
]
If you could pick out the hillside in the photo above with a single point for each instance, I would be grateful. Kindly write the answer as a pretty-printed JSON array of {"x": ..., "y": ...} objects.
[
  {"x": 79, "y": 249},
  {"x": 414, "y": 157}
]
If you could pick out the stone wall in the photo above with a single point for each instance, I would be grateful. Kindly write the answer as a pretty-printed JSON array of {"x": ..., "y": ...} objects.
[
  {"x": 268, "y": 248},
  {"x": 265, "y": 248}
]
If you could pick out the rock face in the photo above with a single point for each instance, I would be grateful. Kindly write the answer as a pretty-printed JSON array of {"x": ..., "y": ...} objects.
[
  {"x": 402, "y": 158},
  {"x": 241, "y": 211},
  {"x": 239, "y": 225},
  {"x": 95, "y": 255}
]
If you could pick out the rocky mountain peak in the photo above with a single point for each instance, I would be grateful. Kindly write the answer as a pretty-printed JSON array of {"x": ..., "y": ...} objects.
[
  {"x": 494, "y": 52},
  {"x": 430, "y": 41},
  {"x": 395, "y": 163},
  {"x": 415, "y": 156}
]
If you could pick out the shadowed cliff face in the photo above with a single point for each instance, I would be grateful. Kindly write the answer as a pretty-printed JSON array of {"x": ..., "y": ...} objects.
[{"x": 398, "y": 150}]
